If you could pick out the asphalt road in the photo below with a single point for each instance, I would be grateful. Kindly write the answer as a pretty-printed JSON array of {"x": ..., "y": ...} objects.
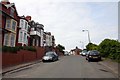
[{"x": 67, "y": 67}]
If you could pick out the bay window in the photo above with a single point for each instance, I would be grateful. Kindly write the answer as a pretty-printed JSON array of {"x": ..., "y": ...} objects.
[
  {"x": 14, "y": 25},
  {"x": 12, "y": 43},
  {"x": 8, "y": 23},
  {"x": 6, "y": 40}
]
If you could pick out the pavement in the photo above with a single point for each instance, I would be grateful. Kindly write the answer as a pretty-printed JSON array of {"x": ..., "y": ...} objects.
[
  {"x": 113, "y": 66},
  {"x": 20, "y": 66}
]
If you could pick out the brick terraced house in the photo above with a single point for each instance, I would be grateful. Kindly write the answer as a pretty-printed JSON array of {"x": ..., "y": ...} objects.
[
  {"x": 20, "y": 30},
  {"x": 23, "y": 35},
  {"x": 9, "y": 23}
]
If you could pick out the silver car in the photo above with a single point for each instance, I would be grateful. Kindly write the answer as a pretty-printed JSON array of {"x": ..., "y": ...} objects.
[
  {"x": 50, "y": 56},
  {"x": 84, "y": 52}
]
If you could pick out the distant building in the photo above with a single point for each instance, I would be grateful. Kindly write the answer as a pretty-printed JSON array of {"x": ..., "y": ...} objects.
[
  {"x": 75, "y": 51},
  {"x": 48, "y": 39},
  {"x": 10, "y": 22},
  {"x": 53, "y": 41}
]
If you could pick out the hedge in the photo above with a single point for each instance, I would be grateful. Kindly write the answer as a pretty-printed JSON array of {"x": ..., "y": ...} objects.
[
  {"x": 110, "y": 49},
  {"x": 17, "y": 48}
]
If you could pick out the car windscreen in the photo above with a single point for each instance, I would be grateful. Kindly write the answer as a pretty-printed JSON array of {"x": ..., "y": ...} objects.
[
  {"x": 49, "y": 53},
  {"x": 94, "y": 53},
  {"x": 84, "y": 51}
]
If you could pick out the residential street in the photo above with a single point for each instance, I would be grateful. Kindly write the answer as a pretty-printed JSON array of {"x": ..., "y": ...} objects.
[{"x": 67, "y": 67}]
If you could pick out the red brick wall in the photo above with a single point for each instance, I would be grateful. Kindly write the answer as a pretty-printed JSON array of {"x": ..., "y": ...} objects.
[
  {"x": 0, "y": 60},
  {"x": 9, "y": 59},
  {"x": 40, "y": 52},
  {"x": 22, "y": 56},
  {"x": 27, "y": 56}
]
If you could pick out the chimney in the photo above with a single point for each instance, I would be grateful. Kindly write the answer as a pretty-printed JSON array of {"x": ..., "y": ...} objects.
[
  {"x": 28, "y": 18},
  {"x": 5, "y": 2}
]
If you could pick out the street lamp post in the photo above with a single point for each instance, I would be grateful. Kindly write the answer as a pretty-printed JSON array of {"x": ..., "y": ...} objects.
[{"x": 88, "y": 35}]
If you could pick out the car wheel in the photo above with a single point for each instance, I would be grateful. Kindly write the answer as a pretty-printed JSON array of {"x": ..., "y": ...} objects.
[
  {"x": 88, "y": 60},
  {"x": 53, "y": 59},
  {"x": 42, "y": 60},
  {"x": 100, "y": 59}
]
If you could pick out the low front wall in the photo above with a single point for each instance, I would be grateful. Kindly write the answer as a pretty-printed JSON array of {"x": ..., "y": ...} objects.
[
  {"x": 40, "y": 52},
  {"x": 27, "y": 56},
  {"x": 9, "y": 59},
  {"x": 22, "y": 56}
]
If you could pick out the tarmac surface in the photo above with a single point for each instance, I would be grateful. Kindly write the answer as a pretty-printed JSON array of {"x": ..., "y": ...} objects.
[{"x": 74, "y": 66}]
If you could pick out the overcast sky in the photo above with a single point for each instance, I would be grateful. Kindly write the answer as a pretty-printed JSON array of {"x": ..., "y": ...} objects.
[{"x": 66, "y": 19}]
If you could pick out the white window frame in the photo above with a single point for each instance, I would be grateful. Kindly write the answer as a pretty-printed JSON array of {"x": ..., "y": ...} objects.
[
  {"x": 8, "y": 22},
  {"x": 12, "y": 40},
  {"x": 33, "y": 43},
  {"x": 20, "y": 36},
  {"x": 26, "y": 25},
  {"x": 21, "y": 23},
  {"x": 6, "y": 39},
  {"x": 13, "y": 27},
  {"x": 25, "y": 37}
]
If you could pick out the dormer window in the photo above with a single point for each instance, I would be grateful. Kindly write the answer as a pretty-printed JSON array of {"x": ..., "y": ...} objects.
[{"x": 12, "y": 12}]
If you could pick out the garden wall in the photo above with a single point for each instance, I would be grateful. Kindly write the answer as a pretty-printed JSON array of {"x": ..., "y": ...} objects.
[{"x": 22, "y": 56}]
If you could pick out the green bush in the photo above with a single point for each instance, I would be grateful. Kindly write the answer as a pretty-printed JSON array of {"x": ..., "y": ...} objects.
[
  {"x": 9, "y": 49},
  {"x": 29, "y": 48},
  {"x": 110, "y": 49},
  {"x": 91, "y": 46},
  {"x": 17, "y": 48}
]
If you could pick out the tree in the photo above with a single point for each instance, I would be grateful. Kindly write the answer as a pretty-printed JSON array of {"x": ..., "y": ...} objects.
[
  {"x": 110, "y": 48},
  {"x": 91, "y": 46},
  {"x": 61, "y": 48}
]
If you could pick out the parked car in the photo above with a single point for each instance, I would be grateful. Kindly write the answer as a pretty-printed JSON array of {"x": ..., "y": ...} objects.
[
  {"x": 66, "y": 53},
  {"x": 84, "y": 52},
  {"x": 93, "y": 55},
  {"x": 50, "y": 56},
  {"x": 87, "y": 54}
]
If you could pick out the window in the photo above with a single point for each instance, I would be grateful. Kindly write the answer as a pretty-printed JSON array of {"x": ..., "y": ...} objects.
[
  {"x": 28, "y": 28},
  {"x": 14, "y": 25},
  {"x": 26, "y": 25},
  {"x": 8, "y": 22},
  {"x": 20, "y": 36},
  {"x": 6, "y": 40},
  {"x": 26, "y": 40},
  {"x": 37, "y": 42},
  {"x": 12, "y": 43},
  {"x": 25, "y": 37},
  {"x": 33, "y": 43},
  {"x": 21, "y": 23},
  {"x": 12, "y": 12},
  {"x": 32, "y": 29}
]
